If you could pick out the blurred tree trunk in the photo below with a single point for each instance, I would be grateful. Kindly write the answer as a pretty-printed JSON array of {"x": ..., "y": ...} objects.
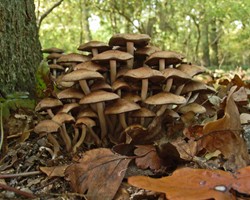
[
  {"x": 20, "y": 52},
  {"x": 85, "y": 27},
  {"x": 205, "y": 43},
  {"x": 214, "y": 37}
]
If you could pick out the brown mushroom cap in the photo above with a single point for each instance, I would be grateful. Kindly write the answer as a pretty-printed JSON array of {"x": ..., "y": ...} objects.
[
  {"x": 163, "y": 98},
  {"x": 143, "y": 112},
  {"x": 53, "y": 56},
  {"x": 120, "y": 84},
  {"x": 46, "y": 126},
  {"x": 194, "y": 107},
  {"x": 171, "y": 58},
  {"x": 98, "y": 96},
  {"x": 139, "y": 40},
  {"x": 131, "y": 97},
  {"x": 86, "y": 121},
  {"x": 101, "y": 85},
  {"x": 56, "y": 66},
  {"x": 101, "y": 46},
  {"x": 81, "y": 74},
  {"x": 87, "y": 112},
  {"x": 196, "y": 86},
  {"x": 48, "y": 103},
  {"x": 61, "y": 118},
  {"x": 146, "y": 51},
  {"x": 53, "y": 50},
  {"x": 190, "y": 69},
  {"x": 73, "y": 57},
  {"x": 89, "y": 65},
  {"x": 112, "y": 55},
  {"x": 68, "y": 107},
  {"x": 144, "y": 73},
  {"x": 70, "y": 93},
  {"x": 121, "y": 106}
]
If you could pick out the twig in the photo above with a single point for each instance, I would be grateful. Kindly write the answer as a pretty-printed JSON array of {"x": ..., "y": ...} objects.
[
  {"x": 3, "y": 176},
  {"x": 22, "y": 193},
  {"x": 47, "y": 12}
]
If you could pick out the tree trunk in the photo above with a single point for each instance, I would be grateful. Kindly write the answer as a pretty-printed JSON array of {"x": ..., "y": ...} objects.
[
  {"x": 205, "y": 44},
  {"x": 20, "y": 52},
  {"x": 214, "y": 37}
]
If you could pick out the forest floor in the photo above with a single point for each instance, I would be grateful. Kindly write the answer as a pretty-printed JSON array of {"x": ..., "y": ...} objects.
[{"x": 26, "y": 155}]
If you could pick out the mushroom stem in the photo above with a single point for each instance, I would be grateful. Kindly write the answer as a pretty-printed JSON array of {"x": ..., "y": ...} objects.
[
  {"x": 144, "y": 89},
  {"x": 56, "y": 146},
  {"x": 102, "y": 119},
  {"x": 84, "y": 86},
  {"x": 81, "y": 139},
  {"x": 130, "y": 49},
  {"x": 66, "y": 138},
  {"x": 162, "y": 64},
  {"x": 112, "y": 70},
  {"x": 122, "y": 119},
  {"x": 75, "y": 136},
  {"x": 179, "y": 89},
  {"x": 94, "y": 51},
  {"x": 168, "y": 85},
  {"x": 161, "y": 110},
  {"x": 93, "y": 134},
  {"x": 50, "y": 113}
]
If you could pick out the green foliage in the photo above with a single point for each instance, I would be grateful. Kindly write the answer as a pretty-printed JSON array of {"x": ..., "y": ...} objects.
[
  {"x": 14, "y": 101},
  {"x": 172, "y": 24}
]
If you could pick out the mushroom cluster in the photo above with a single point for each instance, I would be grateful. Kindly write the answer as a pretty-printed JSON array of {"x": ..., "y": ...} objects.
[{"x": 109, "y": 87}]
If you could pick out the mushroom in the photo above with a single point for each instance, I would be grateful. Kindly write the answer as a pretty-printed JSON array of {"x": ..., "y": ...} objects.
[
  {"x": 70, "y": 93},
  {"x": 119, "y": 85},
  {"x": 62, "y": 118},
  {"x": 47, "y": 104},
  {"x": 94, "y": 46},
  {"x": 112, "y": 56},
  {"x": 190, "y": 69},
  {"x": 55, "y": 68},
  {"x": 82, "y": 75},
  {"x": 144, "y": 73},
  {"x": 131, "y": 41},
  {"x": 53, "y": 50},
  {"x": 141, "y": 54},
  {"x": 142, "y": 114},
  {"x": 164, "y": 99},
  {"x": 49, "y": 127},
  {"x": 99, "y": 97},
  {"x": 85, "y": 123},
  {"x": 120, "y": 107}
]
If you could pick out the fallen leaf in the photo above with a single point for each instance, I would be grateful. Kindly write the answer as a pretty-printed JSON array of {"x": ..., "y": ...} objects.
[
  {"x": 190, "y": 184},
  {"x": 98, "y": 174},
  {"x": 224, "y": 135},
  {"x": 57, "y": 171},
  {"x": 149, "y": 157}
]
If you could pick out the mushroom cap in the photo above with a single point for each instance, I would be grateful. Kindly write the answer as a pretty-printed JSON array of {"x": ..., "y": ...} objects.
[
  {"x": 89, "y": 65},
  {"x": 100, "y": 85},
  {"x": 81, "y": 74},
  {"x": 193, "y": 86},
  {"x": 68, "y": 107},
  {"x": 120, "y": 84},
  {"x": 101, "y": 46},
  {"x": 112, "y": 55},
  {"x": 170, "y": 57},
  {"x": 175, "y": 73},
  {"x": 131, "y": 97},
  {"x": 61, "y": 118},
  {"x": 98, "y": 96},
  {"x": 46, "y": 126},
  {"x": 121, "y": 106},
  {"x": 194, "y": 107},
  {"x": 190, "y": 69},
  {"x": 163, "y": 98},
  {"x": 53, "y": 50},
  {"x": 146, "y": 51},
  {"x": 70, "y": 93},
  {"x": 56, "y": 66},
  {"x": 53, "y": 56},
  {"x": 139, "y": 40},
  {"x": 85, "y": 121},
  {"x": 143, "y": 112},
  {"x": 73, "y": 57},
  {"x": 47, "y": 103},
  {"x": 144, "y": 73},
  {"x": 87, "y": 112},
  {"x": 63, "y": 84}
]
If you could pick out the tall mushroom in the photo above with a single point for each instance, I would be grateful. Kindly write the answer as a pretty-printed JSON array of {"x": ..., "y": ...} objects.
[
  {"x": 131, "y": 41},
  {"x": 94, "y": 47},
  {"x": 99, "y": 97},
  {"x": 112, "y": 57}
]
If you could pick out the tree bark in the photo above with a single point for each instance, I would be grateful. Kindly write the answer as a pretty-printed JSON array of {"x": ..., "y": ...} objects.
[
  {"x": 20, "y": 52},
  {"x": 205, "y": 44},
  {"x": 214, "y": 37}
]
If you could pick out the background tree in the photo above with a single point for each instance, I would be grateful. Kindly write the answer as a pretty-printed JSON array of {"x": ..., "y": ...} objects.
[{"x": 20, "y": 52}]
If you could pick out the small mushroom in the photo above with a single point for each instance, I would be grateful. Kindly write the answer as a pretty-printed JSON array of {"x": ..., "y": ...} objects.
[
  {"x": 94, "y": 46},
  {"x": 47, "y": 104}
]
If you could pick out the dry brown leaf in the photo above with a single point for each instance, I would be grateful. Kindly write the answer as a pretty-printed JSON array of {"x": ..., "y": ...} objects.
[
  {"x": 98, "y": 174},
  {"x": 149, "y": 157},
  {"x": 224, "y": 134},
  {"x": 190, "y": 184},
  {"x": 57, "y": 171}
]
